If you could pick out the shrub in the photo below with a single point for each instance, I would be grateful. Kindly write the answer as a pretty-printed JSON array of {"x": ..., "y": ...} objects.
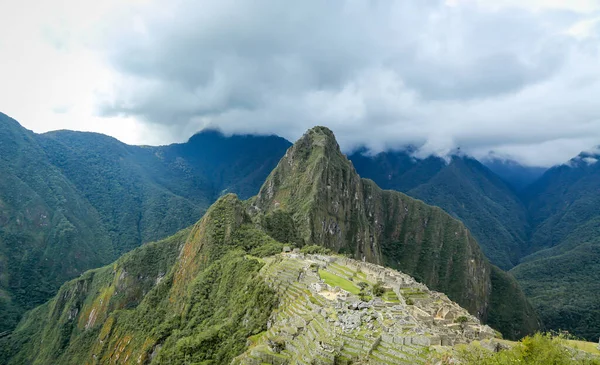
[
  {"x": 461, "y": 320},
  {"x": 378, "y": 289},
  {"x": 315, "y": 249},
  {"x": 534, "y": 350},
  {"x": 362, "y": 285}
]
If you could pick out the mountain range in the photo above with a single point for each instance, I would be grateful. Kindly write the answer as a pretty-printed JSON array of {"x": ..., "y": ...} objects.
[
  {"x": 546, "y": 234},
  {"x": 463, "y": 187},
  {"x": 71, "y": 201},
  {"x": 202, "y": 294}
]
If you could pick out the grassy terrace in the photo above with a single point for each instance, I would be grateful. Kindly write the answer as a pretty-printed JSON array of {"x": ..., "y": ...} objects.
[
  {"x": 590, "y": 347},
  {"x": 335, "y": 280},
  {"x": 390, "y": 297}
]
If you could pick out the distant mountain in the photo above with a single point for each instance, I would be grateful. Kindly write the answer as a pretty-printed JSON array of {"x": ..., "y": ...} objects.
[
  {"x": 550, "y": 229},
  {"x": 147, "y": 193},
  {"x": 215, "y": 291},
  {"x": 463, "y": 187},
  {"x": 71, "y": 201},
  {"x": 562, "y": 273},
  {"x": 515, "y": 174}
]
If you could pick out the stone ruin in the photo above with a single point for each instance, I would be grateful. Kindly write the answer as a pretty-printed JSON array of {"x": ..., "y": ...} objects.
[{"x": 321, "y": 323}]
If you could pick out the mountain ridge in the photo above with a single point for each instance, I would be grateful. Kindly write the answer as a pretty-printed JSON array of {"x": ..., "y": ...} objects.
[
  {"x": 163, "y": 191},
  {"x": 463, "y": 187},
  {"x": 330, "y": 204},
  {"x": 106, "y": 197},
  {"x": 199, "y": 295}
]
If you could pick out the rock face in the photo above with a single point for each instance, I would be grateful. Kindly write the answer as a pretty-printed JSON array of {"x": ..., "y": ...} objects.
[
  {"x": 332, "y": 206},
  {"x": 319, "y": 322}
]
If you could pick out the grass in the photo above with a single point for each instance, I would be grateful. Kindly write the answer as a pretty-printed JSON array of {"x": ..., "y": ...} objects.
[
  {"x": 390, "y": 297},
  {"x": 590, "y": 347},
  {"x": 334, "y": 280}
]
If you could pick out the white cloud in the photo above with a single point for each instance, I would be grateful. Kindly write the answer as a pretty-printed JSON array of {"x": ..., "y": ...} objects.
[
  {"x": 581, "y": 6},
  {"x": 519, "y": 78}
]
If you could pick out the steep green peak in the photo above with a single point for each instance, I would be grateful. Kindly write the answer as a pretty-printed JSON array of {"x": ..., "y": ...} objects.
[
  {"x": 315, "y": 161},
  {"x": 317, "y": 141},
  {"x": 320, "y": 135}
]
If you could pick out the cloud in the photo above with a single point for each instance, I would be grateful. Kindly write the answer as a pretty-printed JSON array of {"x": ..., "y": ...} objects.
[{"x": 516, "y": 78}]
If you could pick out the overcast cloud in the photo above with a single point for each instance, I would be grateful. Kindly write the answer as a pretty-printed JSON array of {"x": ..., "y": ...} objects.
[{"x": 519, "y": 78}]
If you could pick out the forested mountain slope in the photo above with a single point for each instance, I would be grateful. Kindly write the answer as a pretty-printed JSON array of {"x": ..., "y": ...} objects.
[
  {"x": 146, "y": 193},
  {"x": 550, "y": 230},
  {"x": 200, "y": 296},
  {"x": 49, "y": 232},
  {"x": 562, "y": 273},
  {"x": 318, "y": 187},
  {"x": 71, "y": 201},
  {"x": 463, "y": 187}
]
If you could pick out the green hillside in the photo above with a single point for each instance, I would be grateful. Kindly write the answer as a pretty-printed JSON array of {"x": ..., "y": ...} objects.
[
  {"x": 331, "y": 205},
  {"x": 49, "y": 232},
  {"x": 205, "y": 294},
  {"x": 463, "y": 187},
  {"x": 562, "y": 273},
  {"x": 192, "y": 297},
  {"x": 549, "y": 230},
  {"x": 71, "y": 201}
]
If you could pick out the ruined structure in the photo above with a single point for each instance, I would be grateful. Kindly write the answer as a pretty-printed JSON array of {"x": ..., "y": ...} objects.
[{"x": 320, "y": 322}]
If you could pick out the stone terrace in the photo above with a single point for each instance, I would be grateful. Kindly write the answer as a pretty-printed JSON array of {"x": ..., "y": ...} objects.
[{"x": 321, "y": 323}]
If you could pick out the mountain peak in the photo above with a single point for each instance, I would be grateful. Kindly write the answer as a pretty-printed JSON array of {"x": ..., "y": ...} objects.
[
  {"x": 317, "y": 191},
  {"x": 317, "y": 141},
  {"x": 314, "y": 163},
  {"x": 321, "y": 132}
]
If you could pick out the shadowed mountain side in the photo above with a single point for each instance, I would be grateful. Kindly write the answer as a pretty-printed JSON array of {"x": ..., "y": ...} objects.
[{"x": 462, "y": 187}]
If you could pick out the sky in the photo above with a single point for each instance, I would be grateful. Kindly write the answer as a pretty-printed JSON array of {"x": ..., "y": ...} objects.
[{"x": 516, "y": 79}]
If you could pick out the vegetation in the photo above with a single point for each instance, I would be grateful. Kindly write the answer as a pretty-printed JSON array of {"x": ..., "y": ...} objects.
[
  {"x": 465, "y": 188},
  {"x": 335, "y": 280},
  {"x": 461, "y": 320},
  {"x": 562, "y": 273},
  {"x": 540, "y": 349},
  {"x": 193, "y": 298},
  {"x": 72, "y": 201},
  {"x": 315, "y": 250},
  {"x": 378, "y": 289},
  {"x": 48, "y": 230},
  {"x": 550, "y": 231},
  {"x": 565, "y": 289},
  {"x": 332, "y": 206}
]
